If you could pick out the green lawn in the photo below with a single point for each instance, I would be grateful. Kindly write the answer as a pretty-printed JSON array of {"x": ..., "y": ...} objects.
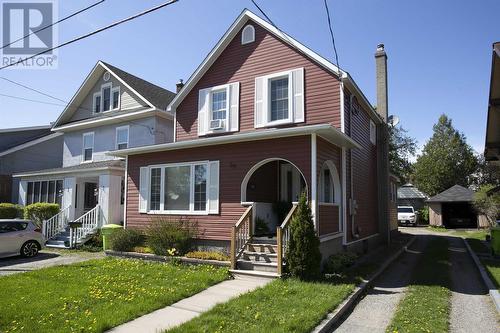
[
  {"x": 96, "y": 295},
  {"x": 281, "y": 306},
  {"x": 493, "y": 268},
  {"x": 426, "y": 305}
]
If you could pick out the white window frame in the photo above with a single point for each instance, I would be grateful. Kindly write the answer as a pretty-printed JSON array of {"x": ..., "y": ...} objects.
[
  {"x": 211, "y": 91},
  {"x": 252, "y": 39},
  {"x": 97, "y": 94},
  {"x": 104, "y": 86},
  {"x": 83, "y": 146},
  {"x": 373, "y": 132},
  {"x": 191, "y": 210},
  {"x": 333, "y": 187},
  {"x": 126, "y": 127},
  {"x": 113, "y": 90},
  {"x": 277, "y": 76}
]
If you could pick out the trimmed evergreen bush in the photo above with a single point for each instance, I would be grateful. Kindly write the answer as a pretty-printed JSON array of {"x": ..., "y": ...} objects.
[
  {"x": 8, "y": 211},
  {"x": 303, "y": 257},
  {"x": 163, "y": 235},
  {"x": 125, "y": 240},
  {"x": 40, "y": 211},
  {"x": 338, "y": 263}
]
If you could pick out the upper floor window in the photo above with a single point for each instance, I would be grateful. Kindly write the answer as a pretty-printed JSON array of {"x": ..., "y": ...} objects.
[
  {"x": 97, "y": 103},
  {"x": 88, "y": 146},
  {"x": 115, "y": 94},
  {"x": 106, "y": 97},
  {"x": 373, "y": 132},
  {"x": 122, "y": 137},
  {"x": 248, "y": 34},
  {"x": 218, "y": 109},
  {"x": 279, "y": 98}
]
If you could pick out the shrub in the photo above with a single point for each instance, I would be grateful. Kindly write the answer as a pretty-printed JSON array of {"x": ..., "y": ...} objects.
[
  {"x": 337, "y": 263},
  {"x": 8, "y": 211},
  {"x": 261, "y": 227},
  {"x": 423, "y": 214},
  {"x": 125, "y": 240},
  {"x": 303, "y": 257},
  {"x": 208, "y": 255},
  {"x": 163, "y": 235},
  {"x": 38, "y": 212}
]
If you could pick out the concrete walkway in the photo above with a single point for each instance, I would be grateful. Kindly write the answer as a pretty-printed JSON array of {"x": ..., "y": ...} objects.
[
  {"x": 44, "y": 259},
  {"x": 472, "y": 309},
  {"x": 190, "y": 307},
  {"x": 375, "y": 311}
]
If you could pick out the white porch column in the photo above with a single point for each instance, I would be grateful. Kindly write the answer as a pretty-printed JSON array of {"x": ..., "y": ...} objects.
[
  {"x": 109, "y": 198},
  {"x": 68, "y": 200},
  {"x": 314, "y": 180},
  {"x": 23, "y": 189}
]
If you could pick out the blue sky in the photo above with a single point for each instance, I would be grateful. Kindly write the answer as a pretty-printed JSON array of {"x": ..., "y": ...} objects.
[{"x": 439, "y": 52}]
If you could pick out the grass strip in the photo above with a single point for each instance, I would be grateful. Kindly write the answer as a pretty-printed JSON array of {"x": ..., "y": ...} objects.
[
  {"x": 280, "y": 306},
  {"x": 96, "y": 295},
  {"x": 493, "y": 268},
  {"x": 426, "y": 304}
]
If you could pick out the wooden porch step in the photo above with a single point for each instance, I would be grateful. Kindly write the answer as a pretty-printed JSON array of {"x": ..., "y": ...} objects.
[
  {"x": 245, "y": 274},
  {"x": 263, "y": 248},
  {"x": 260, "y": 256},
  {"x": 257, "y": 266}
]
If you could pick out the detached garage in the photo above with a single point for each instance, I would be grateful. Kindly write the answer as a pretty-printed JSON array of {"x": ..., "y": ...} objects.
[{"x": 453, "y": 208}]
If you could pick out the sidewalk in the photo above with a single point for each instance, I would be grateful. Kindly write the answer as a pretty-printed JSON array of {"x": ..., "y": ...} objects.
[{"x": 190, "y": 307}]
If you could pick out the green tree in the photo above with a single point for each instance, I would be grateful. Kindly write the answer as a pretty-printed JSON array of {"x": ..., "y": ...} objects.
[
  {"x": 446, "y": 160},
  {"x": 487, "y": 202},
  {"x": 486, "y": 174},
  {"x": 401, "y": 148},
  {"x": 303, "y": 257}
]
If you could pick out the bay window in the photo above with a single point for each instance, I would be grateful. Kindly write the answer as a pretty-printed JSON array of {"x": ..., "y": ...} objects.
[{"x": 49, "y": 191}]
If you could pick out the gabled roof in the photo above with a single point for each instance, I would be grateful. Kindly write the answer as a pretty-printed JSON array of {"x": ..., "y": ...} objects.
[
  {"x": 409, "y": 191},
  {"x": 455, "y": 193},
  {"x": 301, "y": 48},
  {"x": 30, "y": 143},
  {"x": 152, "y": 95}
]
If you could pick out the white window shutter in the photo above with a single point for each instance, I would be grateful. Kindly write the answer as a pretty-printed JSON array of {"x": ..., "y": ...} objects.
[
  {"x": 260, "y": 102},
  {"x": 203, "y": 111},
  {"x": 234, "y": 106},
  {"x": 143, "y": 189},
  {"x": 213, "y": 187},
  {"x": 298, "y": 95}
]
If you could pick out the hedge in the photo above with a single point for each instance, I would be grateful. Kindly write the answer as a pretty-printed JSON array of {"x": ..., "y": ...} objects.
[
  {"x": 11, "y": 211},
  {"x": 38, "y": 212}
]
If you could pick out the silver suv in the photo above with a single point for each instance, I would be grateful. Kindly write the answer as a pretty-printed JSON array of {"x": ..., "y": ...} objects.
[{"x": 20, "y": 237}]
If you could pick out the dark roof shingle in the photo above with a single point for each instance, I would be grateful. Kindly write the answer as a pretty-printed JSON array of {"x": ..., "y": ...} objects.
[{"x": 455, "y": 193}]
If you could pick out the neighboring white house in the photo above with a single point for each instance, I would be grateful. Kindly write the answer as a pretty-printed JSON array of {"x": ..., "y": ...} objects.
[{"x": 111, "y": 110}]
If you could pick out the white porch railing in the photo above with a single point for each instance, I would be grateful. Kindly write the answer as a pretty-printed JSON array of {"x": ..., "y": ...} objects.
[
  {"x": 90, "y": 222},
  {"x": 56, "y": 224}
]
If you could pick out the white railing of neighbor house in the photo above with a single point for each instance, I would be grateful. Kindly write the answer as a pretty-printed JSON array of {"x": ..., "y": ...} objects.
[
  {"x": 90, "y": 222},
  {"x": 56, "y": 224}
]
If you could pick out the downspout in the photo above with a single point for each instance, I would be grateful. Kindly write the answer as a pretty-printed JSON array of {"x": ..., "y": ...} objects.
[{"x": 352, "y": 203}]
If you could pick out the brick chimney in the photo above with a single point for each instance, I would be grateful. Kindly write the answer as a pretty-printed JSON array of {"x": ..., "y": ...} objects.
[
  {"x": 381, "y": 68},
  {"x": 179, "y": 86}
]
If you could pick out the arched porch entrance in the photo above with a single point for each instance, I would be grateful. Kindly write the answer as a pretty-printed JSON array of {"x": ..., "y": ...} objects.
[{"x": 272, "y": 185}]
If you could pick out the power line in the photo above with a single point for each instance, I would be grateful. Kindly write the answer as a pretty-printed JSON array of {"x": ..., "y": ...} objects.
[
  {"x": 33, "y": 89},
  {"x": 30, "y": 100},
  {"x": 92, "y": 33},
  {"x": 331, "y": 34},
  {"x": 57, "y": 22},
  {"x": 274, "y": 25}
]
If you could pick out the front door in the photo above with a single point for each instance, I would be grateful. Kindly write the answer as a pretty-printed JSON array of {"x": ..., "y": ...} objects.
[
  {"x": 291, "y": 183},
  {"x": 90, "y": 198}
]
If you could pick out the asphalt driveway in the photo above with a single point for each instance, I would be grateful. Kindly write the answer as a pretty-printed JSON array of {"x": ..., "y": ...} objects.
[{"x": 45, "y": 258}]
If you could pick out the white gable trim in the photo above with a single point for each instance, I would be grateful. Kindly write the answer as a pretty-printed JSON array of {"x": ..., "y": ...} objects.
[
  {"x": 30, "y": 143},
  {"x": 69, "y": 107},
  {"x": 228, "y": 37}
]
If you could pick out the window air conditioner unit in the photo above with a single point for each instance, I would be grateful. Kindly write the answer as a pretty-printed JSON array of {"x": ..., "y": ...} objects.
[{"x": 216, "y": 124}]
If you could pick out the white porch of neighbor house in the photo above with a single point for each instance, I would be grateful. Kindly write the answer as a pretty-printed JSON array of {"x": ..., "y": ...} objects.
[{"x": 92, "y": 197}]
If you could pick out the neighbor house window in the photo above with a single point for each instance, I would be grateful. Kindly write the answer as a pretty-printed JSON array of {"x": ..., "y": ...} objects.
[
  {"x": 115, "y": 95},
  {"x": 44, "y": 191},
  {"x": 97, "y": 103},
  {"x": 106, "y": 97},
  {"x": 88, "y": 146},
  {"x": 122, "y": 137},
  {"x": 279, "y": 99}
]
